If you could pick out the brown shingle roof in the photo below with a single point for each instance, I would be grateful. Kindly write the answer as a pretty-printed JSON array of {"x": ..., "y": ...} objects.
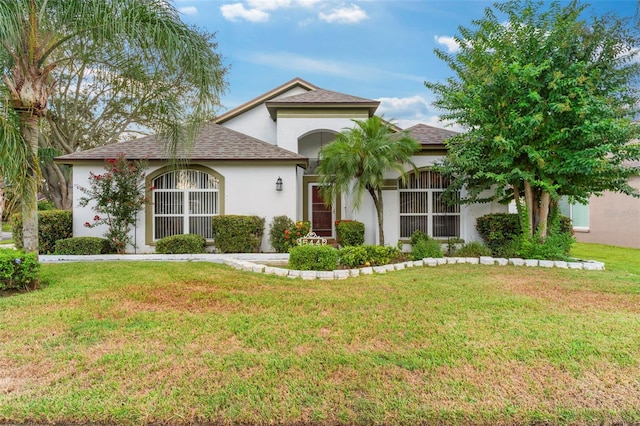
[
  {"x": 429, "y": 135},
  {"x": 321, "y": 97},
  {"x": 213, "y": 142}
]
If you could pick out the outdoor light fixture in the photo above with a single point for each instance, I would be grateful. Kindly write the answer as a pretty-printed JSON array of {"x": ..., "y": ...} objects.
[{"x": 279, "y": 184}]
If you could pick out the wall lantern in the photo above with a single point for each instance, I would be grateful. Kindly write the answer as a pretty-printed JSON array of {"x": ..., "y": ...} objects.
[{"x": 279, "y": 184}]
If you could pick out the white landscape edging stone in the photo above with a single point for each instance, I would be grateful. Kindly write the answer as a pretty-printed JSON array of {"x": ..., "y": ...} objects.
[
  {"x": 342, "y": 274},
  {"x": 252, "y": 262}
]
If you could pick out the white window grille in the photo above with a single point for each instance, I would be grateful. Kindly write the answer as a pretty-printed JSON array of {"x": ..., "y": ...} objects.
[
  {"x": 184, "y": 201},
  {"x": 423, "y": 209}
]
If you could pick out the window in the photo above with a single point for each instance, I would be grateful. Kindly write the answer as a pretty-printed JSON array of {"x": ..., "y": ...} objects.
[
  {"x": 423, "y": 209},
  {"x": 184, "y": 201},
  {"x": 578, "y": 213}
]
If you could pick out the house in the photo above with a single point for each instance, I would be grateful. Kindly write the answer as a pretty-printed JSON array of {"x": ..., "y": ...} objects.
[
  {"x": 613, "y": 218},
  {"x": 260, "y": 159}
]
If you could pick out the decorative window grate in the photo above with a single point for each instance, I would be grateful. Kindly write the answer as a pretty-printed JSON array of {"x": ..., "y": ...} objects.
[
  {"x": 423, "y": 209},
  {"x": 184, "y": 201}
]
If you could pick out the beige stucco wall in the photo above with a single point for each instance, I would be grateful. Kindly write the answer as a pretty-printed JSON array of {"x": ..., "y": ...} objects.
[
  {"x": 249, "y": 189},
  {"x": 614, "y": 219},
  {"x": 391, "y": 206}
]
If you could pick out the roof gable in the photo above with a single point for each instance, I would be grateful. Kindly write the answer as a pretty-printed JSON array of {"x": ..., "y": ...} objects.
[
  {"x": 272, "y": 94},
  {"x": 213, "y": 142}
]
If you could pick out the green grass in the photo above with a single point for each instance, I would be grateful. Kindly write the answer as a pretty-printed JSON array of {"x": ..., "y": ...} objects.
[
  {"x": 179, "y": 343},
  {"x": 625, "y": 260}
]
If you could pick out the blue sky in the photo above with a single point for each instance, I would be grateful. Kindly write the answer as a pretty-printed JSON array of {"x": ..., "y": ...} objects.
[{"x": 376, "y": 49}]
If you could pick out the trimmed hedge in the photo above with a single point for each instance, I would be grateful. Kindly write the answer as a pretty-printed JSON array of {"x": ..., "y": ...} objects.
[
  {"x": 498, "y": 231},
  {"x": 18, "y": 270},
  {"x": 237, "y": 234},
  {"x": 313, "y": 258},
  {"x": 53, "y": 225},
  {"x": 181, "y": 244},
  {"x": 353, "y": 256},
  {"x": 350, "y": 232},
  {"x": 84, "y": 246},
  {"x": 367, "y": 255}
]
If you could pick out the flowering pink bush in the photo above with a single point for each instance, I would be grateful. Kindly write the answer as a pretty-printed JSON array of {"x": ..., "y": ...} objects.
[{"x": 117, "y": 195}]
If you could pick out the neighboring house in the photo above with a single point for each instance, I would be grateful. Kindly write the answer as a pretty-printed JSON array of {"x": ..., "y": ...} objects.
[
  {"x": 260, "y": 159},
  {"x": 613, "y": 218}
]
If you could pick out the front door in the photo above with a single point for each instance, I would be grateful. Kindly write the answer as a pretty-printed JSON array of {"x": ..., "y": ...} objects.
[{"x": 322, "y": 216}]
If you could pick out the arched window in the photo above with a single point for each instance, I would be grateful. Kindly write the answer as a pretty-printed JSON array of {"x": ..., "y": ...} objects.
[
  {"x": 184, "y": 201},
  {"x": 422, "y": 207}
]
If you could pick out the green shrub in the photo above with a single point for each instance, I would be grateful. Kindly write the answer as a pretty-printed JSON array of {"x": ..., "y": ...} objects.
[
  {"x": 298, "y": 230},
  {"x": 350, "y": 232},
  {"x": 309, "y": 257},
  {"x": 554, "y": 247},
  {"x": 46, "y": 205},
  {"x": 379, "y": 255},
  {"x": 53, "y": 225},
  {"x": 473, "y": 249},
  {"x": 277, "y": 232},
  {"x": 353, "y": 256},
  {"x": 498, "y": 231},
  {"x": 84, "y": 245},
  {"x": 502, "y": 233},
  {"x": 565, "y": 226},
  {"x": 18, "y": 270},
  {"x": 238, "y": 234},
  {"x": 181, "y": 244},
  {"x": 422, "y": 246},
  {"x": 426, "y": 248}
]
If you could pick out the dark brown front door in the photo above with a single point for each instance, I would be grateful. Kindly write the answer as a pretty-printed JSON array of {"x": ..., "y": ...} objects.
[{"x": 321, "y": 214}]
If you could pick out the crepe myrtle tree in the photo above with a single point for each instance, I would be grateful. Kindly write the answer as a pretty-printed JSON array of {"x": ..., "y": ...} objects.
[
  {"x": 116, "y": 196},
  {"x": 358, "y": 159},
  {"x": 547, "y": 98},
  {"x": 35, "y": 35}
]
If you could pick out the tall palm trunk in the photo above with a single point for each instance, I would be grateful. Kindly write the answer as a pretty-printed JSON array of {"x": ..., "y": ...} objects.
[
  {"x": 377, "y": 201},
  {"x": 29, "y": 129}
]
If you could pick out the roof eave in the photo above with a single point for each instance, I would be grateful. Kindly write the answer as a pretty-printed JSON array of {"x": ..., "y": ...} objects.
[{"x": 273, "y": 106}]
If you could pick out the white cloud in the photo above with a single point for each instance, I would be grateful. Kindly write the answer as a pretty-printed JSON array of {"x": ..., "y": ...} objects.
[
  {"x": 236, "y": 11},
  {"x": 344, "y": 15},
  {"x": 449, "y": 42},
  {"x": 188, "y": 10},
  {"x": 407, "y": 112},
  {"x": 308, "y": 3},
  {"x": 268, "y": 4},
  {"x": 297, "y": 63},
  {"x": 260, "y": 10}
]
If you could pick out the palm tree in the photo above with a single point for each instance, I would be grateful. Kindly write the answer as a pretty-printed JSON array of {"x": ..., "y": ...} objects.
[
  {"x": 35, "y": 35},
  {"x": 358, "y": 158}
]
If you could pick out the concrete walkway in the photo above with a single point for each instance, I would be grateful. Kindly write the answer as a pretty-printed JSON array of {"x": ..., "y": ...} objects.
[{"x": 205, "y": 257}]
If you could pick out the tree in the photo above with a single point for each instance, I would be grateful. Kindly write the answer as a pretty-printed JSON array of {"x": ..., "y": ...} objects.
[
  {"x": 118, "y": 196},
  {"x": 37, "y": 33},
  {"x": 547, "y": 99},
  {"x": 89, "y": 109},
  {"x": 358, "y": 158}
]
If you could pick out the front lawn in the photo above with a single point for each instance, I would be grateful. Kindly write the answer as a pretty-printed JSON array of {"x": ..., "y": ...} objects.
[{"x": 174, "y": 343}]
